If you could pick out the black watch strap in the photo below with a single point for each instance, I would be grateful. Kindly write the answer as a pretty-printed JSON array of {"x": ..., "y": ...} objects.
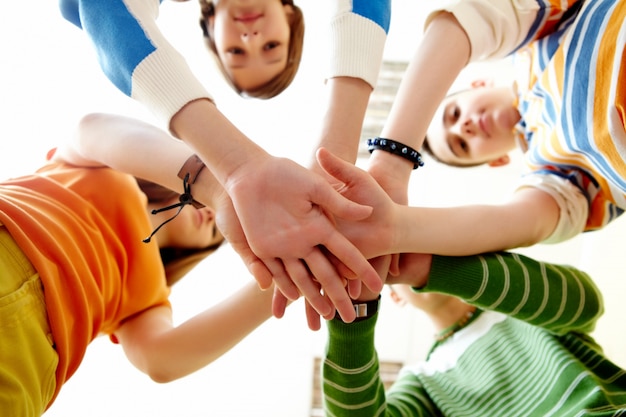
[{"x": 363, "y": 309}]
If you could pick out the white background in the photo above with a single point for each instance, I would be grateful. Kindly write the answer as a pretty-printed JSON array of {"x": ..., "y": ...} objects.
[{"x": 49, "y": 78}]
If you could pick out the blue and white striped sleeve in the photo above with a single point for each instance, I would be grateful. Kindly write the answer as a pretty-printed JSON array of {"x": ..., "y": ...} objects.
[
  {"x": 358, "y": 33},
  {"x": 134, "y": 54}
]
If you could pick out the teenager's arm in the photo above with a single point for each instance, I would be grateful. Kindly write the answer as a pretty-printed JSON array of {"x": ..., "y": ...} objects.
[
  {"x": 351, "y": 375},
  {"x": 147, "y": 152},
  {"x": 166, "y": 352},
  {"x": 455, "y": 35},
  {"x": 529, "y": 217},
  {"x": 559, "y": 298}
]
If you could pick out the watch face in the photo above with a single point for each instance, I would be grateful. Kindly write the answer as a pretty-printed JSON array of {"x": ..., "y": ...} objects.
[{"x": 361, "y": 310}]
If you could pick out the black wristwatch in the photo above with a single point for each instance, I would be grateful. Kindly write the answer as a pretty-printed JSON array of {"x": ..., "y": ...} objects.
[{"x": 363, "y": 309}]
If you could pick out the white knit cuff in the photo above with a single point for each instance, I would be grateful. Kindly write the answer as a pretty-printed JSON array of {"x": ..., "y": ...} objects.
[
  {"x": 357, "y": 46},
  {"x": 164, "y": 83}
]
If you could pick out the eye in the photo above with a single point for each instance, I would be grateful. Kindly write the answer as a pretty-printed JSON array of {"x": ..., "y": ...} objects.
[
  {"x": 270, "y": 45},
  {"x": 235, "y": 51},
  {"x": 456, "y": 113}
]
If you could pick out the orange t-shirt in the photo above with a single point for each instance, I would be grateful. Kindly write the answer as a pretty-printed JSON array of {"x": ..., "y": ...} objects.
[{"x": 82, "y": 228}]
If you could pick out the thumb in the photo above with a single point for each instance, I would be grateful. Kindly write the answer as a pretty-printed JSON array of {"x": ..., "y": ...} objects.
[{"x": 345, "y": 173}]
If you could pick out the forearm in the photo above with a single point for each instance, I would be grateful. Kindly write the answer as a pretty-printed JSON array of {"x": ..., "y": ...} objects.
[
  {"x": 182, "y": 350},
  {"x": 341, "y": 126},
  {"x": 137, "y": 148},
  {"x": 358, "y": 30},
  {"x": 351, "y": 364},
  {"x": 135, "y": 55},
  {"x": 219, "y": 143},
  {"x": 440, "y": 57},
  {"x": 528, "y": 218},
  {"x": 558, "y": 297}
]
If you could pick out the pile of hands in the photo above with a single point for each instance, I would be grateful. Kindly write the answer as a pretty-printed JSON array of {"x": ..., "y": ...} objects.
[{"x": 340, "y": 248}]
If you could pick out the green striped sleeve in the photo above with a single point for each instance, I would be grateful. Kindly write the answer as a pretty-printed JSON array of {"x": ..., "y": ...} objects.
[
  {"x": 559, "y": 298},
  {"x": 351, "y": 377},
  {"x": 352, "y": 386}
]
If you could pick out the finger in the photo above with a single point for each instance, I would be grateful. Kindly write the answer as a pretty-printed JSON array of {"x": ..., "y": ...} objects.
[
  {"x": 261, "y": 273},
  {"x": 394, "y": 266},
  {"x": 256, "y": 267},
  {"x": 354, "y": 288},
  {"x": 312, "y": 316},
  {"x": 344, "y": 172},
  {"x": 350, "y": 256},
  {"x": 342, "y": 270},
  {"x": 310, "y": 289},
  {"x": 279, "y": 303},
  {"x": 282, "y": 279},
  {"x": 332, "y": 284},
  {"x": 329, "y": 198}
]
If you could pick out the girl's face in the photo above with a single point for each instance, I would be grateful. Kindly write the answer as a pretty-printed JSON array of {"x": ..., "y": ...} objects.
[
  {"x": 191, "y": 229},
  {"x": 252, "y": 39},
  {"x": 474, "y": 126}
]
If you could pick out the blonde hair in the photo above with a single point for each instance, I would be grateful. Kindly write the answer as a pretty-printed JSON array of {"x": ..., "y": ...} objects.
[{"x": 282, "y": 80}]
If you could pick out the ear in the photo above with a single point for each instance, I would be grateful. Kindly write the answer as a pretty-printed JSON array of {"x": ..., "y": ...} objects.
[
  {"x": 395, "y": 297},
  {"x": 482, "y": 82},
  {"x": 503, "y": 160}
]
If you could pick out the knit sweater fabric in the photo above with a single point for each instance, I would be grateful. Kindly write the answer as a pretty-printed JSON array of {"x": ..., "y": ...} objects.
[
  {"x": 138, "y": 59},
  {"x": 528, "y": 354}
]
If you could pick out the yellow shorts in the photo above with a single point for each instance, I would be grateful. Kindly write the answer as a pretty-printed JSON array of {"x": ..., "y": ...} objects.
[{"x": 28, "y": 360}]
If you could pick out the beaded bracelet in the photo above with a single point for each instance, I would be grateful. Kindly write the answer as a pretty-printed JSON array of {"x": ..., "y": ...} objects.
[{"x": 396, "y": 148}]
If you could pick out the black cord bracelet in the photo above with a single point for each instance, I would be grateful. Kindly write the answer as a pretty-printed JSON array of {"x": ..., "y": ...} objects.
[{"x": 396, "y": 148}]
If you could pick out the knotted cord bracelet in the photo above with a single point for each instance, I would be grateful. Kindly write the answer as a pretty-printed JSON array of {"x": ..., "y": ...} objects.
[
  {"x": 396, "y": 148},
  {"x": 189, "y": 174}
]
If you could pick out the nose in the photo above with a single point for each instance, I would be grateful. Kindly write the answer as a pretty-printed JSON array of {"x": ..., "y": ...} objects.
[
  {"x": 466, "y": 128},
  {"x": 249, "y": 36}
]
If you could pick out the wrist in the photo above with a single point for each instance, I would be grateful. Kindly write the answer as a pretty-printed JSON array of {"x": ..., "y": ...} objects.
[
  {"x": 396, "y": 148},
  {"x": 392, "y": 174},
  {"x": 363, "y": 309}
]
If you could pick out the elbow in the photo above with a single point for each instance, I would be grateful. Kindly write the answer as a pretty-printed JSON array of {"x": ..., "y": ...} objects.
[
  {"x": 162, "y": 377},
  {"x": 162, "y": 374}
]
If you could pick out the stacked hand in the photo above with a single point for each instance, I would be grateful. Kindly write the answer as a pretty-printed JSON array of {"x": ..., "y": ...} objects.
[{"x": 292, "y": 237}]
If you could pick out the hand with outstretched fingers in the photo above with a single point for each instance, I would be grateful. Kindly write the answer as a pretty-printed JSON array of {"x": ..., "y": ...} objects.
[{"x": 288, "y": 216}]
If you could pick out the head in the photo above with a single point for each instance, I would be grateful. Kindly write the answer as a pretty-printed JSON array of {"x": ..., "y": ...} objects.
[
  {"x": 474, "y": 126},
  {"x": 257, "y": 44},
  {"x": 185, "y": 240}
]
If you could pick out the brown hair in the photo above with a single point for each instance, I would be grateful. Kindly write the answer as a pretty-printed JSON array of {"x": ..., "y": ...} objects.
[
  {"x": 280, "y": 82},
  {"x": 177, "y": 261}
]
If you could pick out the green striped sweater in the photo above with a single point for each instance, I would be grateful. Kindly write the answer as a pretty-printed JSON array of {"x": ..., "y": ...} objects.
[{"x": 527, "y": 354}]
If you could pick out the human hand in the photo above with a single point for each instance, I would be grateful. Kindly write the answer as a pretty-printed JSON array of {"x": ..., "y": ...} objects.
[
  {"x": 286, "y": 213},
  {"x": 394, "y": 178},
  {"x": 359, "y": 186},
  {"x": 228, "y": 223},
  {"x": 414, "y": 269}
]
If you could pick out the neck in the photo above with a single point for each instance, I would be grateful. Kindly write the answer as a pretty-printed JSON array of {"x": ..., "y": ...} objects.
[{"x": 449, "y": 313}]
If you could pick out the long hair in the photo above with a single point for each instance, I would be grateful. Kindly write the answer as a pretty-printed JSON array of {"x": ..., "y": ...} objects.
[
  {"x": 282, "y": 80},
  {"x": 177, "y": 261}
]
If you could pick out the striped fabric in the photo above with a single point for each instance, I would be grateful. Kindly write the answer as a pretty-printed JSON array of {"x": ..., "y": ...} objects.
[
  {"x": 497, "y": 365},
  {"x": 574, "y": 107}
]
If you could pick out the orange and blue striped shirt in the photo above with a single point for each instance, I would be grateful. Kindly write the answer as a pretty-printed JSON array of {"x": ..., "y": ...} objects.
[{"x": 573, "y": 110}]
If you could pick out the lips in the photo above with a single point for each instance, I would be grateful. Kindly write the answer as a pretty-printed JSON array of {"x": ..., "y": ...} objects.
[
  {"x": 482, "y": 123},
  {"x": 248, "y": 17}
]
